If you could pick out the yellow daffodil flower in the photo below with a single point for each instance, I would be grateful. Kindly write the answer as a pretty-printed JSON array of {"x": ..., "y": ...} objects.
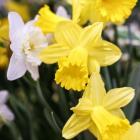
[
  {"x": 47, "y": 20},
  {"x": 132, "y": 133},
  {"x": 116, "y": 11},
  {"x": 21, "y": 9},
  {"x": 79, "y": 52},
  {"x": 99, "y": 112}
]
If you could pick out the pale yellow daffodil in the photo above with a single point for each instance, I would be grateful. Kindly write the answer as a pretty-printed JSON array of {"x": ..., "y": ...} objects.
[
  {"x": 99, "y": 112},
  {"x": 132, "y": 133},
  {"x": 47, "y": 20},
  {"x": 79, "y": 52},
  {"x": 116, "y": 11}
]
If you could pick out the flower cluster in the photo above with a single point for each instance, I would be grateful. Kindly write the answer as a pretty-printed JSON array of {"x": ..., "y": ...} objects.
[{"x": 76, "y": 44}]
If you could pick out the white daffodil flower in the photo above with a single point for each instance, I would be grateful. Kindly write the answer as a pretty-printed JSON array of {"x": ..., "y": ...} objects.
[
  {"x": 27, "y": 41},
  {"x": 6, "y": 114}
]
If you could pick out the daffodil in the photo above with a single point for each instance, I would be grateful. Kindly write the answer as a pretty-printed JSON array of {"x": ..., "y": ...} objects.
[
  {"x": 116, "y": 11},
  {"x": 79, "y": 52},
  {"x": 99, "y": 112},
  {"x": 6, "y": 114},
  {"x": 47, "y": 20},
  {"x": 132, "y": 133},
  {"x": 27, "y": 41}
]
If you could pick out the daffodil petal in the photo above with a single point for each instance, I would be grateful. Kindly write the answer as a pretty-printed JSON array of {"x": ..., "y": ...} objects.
[
  {"x": 16, "y": 69},
  {"x": 117, "y": 98},
  {"x": 74, "y": 126},
  {"x": 95, "y": 90},
  {"x": 132, "y": 133},
  {"x": 83, "y": 108},
  {"x": 91, "y": 35},
  {"x": 76, "y": 11},
  {"x": 67, "y": 33},
  {"x": 93, "y": 129},
  {"x": 15, "y": 24},
  {"x": 47, "y": 20},
  {"x": 106, "y": 53},
  {"x": 119, "y": 113},
  {"x": 53, "y": 53}
]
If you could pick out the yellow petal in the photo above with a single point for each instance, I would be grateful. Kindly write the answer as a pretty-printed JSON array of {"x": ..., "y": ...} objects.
[
  {"x": 76, "y": 11},
  {"x": 118, "y": 112},
  {"x": 105, "y": 53},
  {"x": 95, "y": 90},
  {"x": 67, "y": 33},
  {"x": 53, "y": 53},
  {"x": 117, "y": 98},
  {"x": 84, "y": 107},
  {"x": 133, "y": 133},
  {"x": 91, "y": 35},
  {"x": 93, "y": 129},
  {"x": 47, "y": 20},
  {"x": 74, "y": 126}
]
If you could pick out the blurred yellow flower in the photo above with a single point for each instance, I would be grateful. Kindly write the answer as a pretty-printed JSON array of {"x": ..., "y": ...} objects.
[
  {"x": 79, "y": 52},
  {"x": 4, "y": 30},
  {"x": 132, "y": 133},
  {"x": 22, "y": 9},
  {"x": 116, "y": 11},
  {"x": 4, "y": 60},
  {"x": 99, "y": 112},
  {"x": 47, "y": 20}
]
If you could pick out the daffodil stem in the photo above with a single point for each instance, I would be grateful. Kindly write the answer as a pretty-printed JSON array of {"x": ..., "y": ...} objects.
[
  {"x": 48, "y": 109},
  {"x": 107, "y": 78}
]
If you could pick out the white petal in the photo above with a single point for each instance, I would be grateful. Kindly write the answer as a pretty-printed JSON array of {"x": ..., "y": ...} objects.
[
  {"x": 16, "y": 69},
  {"x": 16, "y": 24},
  {"x": 6, "y": 113},
  {"x": 3, "y": 96},
  {"x": 61, "y": 11},
  {"x": 33, "y": 71}
]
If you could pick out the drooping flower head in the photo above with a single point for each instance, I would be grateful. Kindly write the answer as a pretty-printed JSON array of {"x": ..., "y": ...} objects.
[
  {"x": 79, "y": 52},
  {"x": 116, "y": 11},
  {"x": 47, "y": 20},
  {"x": 5, "y": 113},
  {"x": 99, "y": 112},
  {"x": 26, "y": 43}
]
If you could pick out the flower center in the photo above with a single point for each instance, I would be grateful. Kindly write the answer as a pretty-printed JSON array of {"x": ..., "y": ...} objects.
[
  {"x": 73, "y": 70},
  {"x": 109, "y": 126}
]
